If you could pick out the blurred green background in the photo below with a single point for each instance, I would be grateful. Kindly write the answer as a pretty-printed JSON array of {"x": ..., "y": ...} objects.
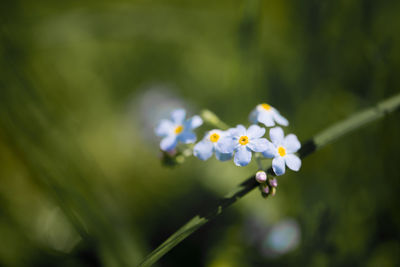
[{"x": 82, "y": 84}]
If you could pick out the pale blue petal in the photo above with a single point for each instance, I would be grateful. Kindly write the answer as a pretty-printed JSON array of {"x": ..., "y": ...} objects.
[
  {"x": 266, "y": 117},
  {"x": 164, "y": 128},
  {"x": 238, "y": 131},
  {"x": 280, "y": 119},
  {"x": 258, "y": 145},
  {"x": 291, "y": 143},
  {"x": 276, "y": 135},
  {"x": 231, "y": 131},
  {"x": 203, "y": 150},
  {"x": 255, "y": 131},
  {"x": 226, "y": 145},
  {"x": 219, "y": 132},
  {"x": 242, "y": 156},
  {"x": 253, "y": 116},
  {"x": 168, "y": 143},
  {"x": 178, "y": 116},
  {"x": 187, "y": 137},
  {"x": 194, "y": 122},
  {"x": 270, "y": 152},
  {"x": 223, "y": 156},
  {"x": 278, "y": 165},
  {"x": 293, "y": 162},
  {"x": 225, "y": 134}
]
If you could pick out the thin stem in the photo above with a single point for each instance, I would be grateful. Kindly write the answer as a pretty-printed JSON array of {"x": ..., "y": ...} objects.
[
  {"x": 320, "y": 140},
  {"x": 258, "y": 160}
]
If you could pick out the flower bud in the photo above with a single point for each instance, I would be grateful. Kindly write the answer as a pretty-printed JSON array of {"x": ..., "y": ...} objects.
[
  {"x": 172, "y": 152},
  {"x": 273, "y": 182},
  {"x": 210, "y": 117},
  {"x": 273, "y": 191},
  {"x": 261, "y": 177},
  {"x": 265, "y": 189}
]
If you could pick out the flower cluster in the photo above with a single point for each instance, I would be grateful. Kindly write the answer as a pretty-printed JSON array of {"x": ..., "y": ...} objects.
[{"x": 239, "y": 142}]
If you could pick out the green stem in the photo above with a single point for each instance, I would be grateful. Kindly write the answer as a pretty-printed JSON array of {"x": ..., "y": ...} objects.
[
  {"x": 258, "y": 160},
  {"x": 320, "y": 140}
]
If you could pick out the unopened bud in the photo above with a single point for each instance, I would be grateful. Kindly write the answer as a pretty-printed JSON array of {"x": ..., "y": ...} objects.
[
  {"x": 172, "y": 152},
  {"x": 273, "y": 191},
  {"x": 209, "y": 116},
  {"x": 261, "y": 177},
  {"x": 180, "y": 159},
  {"x": 265, "y": 189},
  {"x": 273, "y": 182}
]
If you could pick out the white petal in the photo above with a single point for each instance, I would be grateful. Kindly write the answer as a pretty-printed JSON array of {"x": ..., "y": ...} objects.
[
  {"x": 178, "y": 116},
  {"x": 255, "y": 131},
  {"x": 194, "y": 122},
  {"x": 291, "y": 143},
  {"x": 258, "y": 145},
  {"x": 168, "y": 143},
  {"x": 276, "y": 135},
  {"x": 242, "y": 156},
  {"x": 278, "y": 165},
  {"x": 203, "y": 150},
  {"x": 293, "y": 162},
  {"x": 270, "y": 152},
  {"x": 280, "y": 119},
  {"x": 266, "y": 117},
  {"x": 164, "y": 128}
]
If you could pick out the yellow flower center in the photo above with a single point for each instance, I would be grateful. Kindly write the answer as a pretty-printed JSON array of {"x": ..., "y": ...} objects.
[
  {"x": 178, "y": 129},
  {"x": 214, "y": 137},
  {"x": 281, "y": 151},
  {"x": 266, "y": 106},
  {"x": 243, "y": 140}
]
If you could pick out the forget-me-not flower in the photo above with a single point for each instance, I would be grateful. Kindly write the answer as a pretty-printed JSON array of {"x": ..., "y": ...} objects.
[
  {"x": 177, "y": 129},
  {"x": 243, "y": 142},
  {"x": 267, "y": 115},
  {"x": 282, "y": 149},
  {"x": 206, "y": 147}
]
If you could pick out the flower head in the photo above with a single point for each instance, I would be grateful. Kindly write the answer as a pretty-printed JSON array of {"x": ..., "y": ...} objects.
[
  {"x": 282, "y": 149},
  {"x": 206, "y": 147},
  {"x": 177, "y": 130},
  {"x": 267, "y": 115},
  {"x": 243, "y": 142}
]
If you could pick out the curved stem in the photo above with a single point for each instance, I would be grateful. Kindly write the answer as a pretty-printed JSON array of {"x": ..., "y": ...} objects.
[{"x": 320, "y": 140}]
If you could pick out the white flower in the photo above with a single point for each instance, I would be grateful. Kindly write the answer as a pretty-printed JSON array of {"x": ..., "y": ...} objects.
[
  {"x": 267, "y": 115},
  {"x": 282, "y": 149}
]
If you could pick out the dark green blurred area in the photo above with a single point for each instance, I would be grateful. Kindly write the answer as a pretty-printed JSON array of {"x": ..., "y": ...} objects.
[{"x": 80, "y": 86}]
